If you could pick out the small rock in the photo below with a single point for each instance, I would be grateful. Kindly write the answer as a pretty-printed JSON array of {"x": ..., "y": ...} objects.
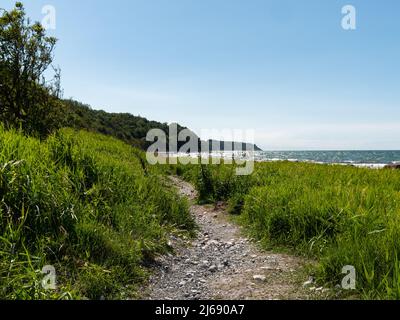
[
  {"x": 213, "y": 268},
  {"x": 205, "y": 262},
  {"x": 309, "y": 282},
  {"x": 212, "y": 243},
  {"x": 260, "y": 278},
  {"x": 268, "y": 268}
]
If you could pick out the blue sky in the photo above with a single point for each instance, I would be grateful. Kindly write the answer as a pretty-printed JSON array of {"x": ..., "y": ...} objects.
[{"x": 284, "y": 68}]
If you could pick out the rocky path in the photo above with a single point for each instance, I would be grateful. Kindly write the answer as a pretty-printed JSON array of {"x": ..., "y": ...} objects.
[{"x": 220, "y": 263}]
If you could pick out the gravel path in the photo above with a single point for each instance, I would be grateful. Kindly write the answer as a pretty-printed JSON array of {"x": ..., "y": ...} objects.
[{"x": 220, "y": 263}]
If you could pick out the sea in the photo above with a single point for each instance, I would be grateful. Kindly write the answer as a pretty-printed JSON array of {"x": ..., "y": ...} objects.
[
  {"x": 369, "y": 159},
  {"x": 357, "y": 158}
]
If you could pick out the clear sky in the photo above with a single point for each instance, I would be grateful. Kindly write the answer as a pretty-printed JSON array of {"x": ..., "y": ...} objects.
[{"x": 284, "y": 68}]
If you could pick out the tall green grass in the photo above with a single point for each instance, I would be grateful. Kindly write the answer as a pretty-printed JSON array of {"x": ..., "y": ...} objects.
[
  {"x": 337, "y": 215},
  {"x": 85, "y": 204}
]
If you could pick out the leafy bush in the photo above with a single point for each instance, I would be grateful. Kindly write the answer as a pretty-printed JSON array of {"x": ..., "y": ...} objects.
[{"x": 28, "y": 100}]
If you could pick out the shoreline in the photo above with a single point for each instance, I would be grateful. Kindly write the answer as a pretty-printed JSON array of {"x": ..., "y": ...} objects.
[{"x": 246, "y": 156}]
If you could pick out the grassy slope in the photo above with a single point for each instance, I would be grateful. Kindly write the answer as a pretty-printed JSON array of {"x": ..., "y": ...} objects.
[
  {"x": 338, "y": 215},
  {"x": 83, "y": 203}
]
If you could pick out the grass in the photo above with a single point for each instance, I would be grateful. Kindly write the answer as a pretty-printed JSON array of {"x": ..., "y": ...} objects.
[
  {"x": 90, "y": 206},
  {"x": 337, "y": 215},
  {"x": 87, "y": 205}
]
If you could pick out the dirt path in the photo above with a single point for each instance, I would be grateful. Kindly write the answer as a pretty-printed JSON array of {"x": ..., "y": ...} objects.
[{"x": 220, "y": 263}]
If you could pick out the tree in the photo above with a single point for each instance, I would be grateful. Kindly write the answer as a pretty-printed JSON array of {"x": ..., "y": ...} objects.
[{"x": 27, "y": 100}]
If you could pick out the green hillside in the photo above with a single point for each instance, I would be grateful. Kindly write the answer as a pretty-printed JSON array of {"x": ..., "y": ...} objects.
[{"x": 127, "y": 127}]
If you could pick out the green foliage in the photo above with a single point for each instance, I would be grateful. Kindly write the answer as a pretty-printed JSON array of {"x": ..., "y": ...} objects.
[
  {"x": 81, "y": 202},
  {"x": 27, "y": 100},
  {"x": 214, "y": 182},
  {"x": 337, "y": 215},
  {"x": 124, "y": 126},
  {"x": 31, "y": 102}
]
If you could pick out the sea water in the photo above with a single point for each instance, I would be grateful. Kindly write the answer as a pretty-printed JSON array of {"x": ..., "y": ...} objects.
[{"x": 357, "y": 158}]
